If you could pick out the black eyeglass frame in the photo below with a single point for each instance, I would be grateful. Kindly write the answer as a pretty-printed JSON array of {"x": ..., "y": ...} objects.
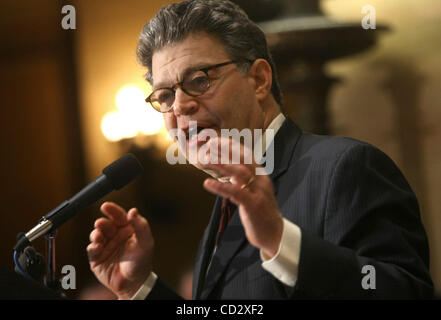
[{"x": 181, "y": 84}]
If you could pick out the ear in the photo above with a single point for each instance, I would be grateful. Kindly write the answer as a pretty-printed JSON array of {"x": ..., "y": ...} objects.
[{"x": 262, "y": 76}]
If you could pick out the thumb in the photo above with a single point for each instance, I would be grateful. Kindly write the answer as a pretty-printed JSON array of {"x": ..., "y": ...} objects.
[{"x": 139, "y": 224}]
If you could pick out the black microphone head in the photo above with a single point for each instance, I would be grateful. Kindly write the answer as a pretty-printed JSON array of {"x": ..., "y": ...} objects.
[{"x": 123, "y": 171}]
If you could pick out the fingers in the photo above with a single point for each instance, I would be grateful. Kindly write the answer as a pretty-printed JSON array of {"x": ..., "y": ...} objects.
[
  {"x": 94, "y": 250},
  {"x": 240, "y": 174},
  {"x": 117, "y": 242},
  {"x": 140, "y": 226},
  {"x": 106, "y": 227},
  {"x": 105, "y": 230},
  {"x": 135, "y": 219},
  {"x": 108, "y": 233},
  {"x": 96, "y": 236},
  {"x": 99, "y": 252},
  {"x": 245, "y": 187},
  {"x": 228, "y": 190},
  {"x": 117, "y": 214}
]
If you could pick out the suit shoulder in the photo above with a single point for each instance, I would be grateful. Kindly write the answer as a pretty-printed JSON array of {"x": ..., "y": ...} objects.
[
  {"x": 333, "y": 147},
  {"x": 329, "y": 145}
]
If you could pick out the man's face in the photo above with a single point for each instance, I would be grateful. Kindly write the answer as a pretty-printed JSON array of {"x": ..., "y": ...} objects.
[{"x": 230, "y": 102}]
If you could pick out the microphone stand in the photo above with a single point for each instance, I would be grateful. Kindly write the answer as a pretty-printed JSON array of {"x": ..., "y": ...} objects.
[
  {"x": 50, "y": 279},
  {"x": 31, "y": 264}
]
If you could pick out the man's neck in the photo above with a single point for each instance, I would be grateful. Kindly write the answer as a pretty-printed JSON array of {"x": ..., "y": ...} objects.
[{"x": 271, "y": 114}]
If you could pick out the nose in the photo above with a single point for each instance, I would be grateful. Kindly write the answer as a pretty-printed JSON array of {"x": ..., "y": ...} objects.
[{"x": 184, "y": 104}]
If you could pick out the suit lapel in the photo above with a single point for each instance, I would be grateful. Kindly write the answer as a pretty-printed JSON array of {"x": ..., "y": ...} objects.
[
  {"x": 284, "y": 144},
  {"x": 234, "y": 236},
  {"x": 205, "y": 249}
]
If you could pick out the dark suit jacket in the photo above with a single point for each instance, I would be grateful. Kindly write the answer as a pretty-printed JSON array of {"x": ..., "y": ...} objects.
[{"x": 354, "y": 208}]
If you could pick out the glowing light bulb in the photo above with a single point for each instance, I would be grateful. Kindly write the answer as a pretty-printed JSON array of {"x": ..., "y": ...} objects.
[
  {"x": 133, "y": 116},
  {"x": 129, "y": 98},
  {"x": 116, "y": 126}
]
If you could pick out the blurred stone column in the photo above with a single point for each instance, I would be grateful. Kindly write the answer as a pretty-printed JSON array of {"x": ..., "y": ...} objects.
[{"x": 302, "y": 40}]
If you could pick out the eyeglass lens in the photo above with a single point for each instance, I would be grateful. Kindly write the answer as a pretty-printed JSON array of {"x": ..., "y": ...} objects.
[{"x": 195, "y": 84}]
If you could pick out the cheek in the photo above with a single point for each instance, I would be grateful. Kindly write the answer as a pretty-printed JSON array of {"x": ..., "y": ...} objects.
[
  {"x": 170, "y": 121},
  {"x": 240, "y": 105}
]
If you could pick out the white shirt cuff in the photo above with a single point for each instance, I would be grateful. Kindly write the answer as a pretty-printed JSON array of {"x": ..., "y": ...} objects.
[
  {"x": 146, "y": 287},
  {"x": 285, "y": 264}
]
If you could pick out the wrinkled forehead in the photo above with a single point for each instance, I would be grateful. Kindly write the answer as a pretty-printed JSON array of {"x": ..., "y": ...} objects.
[{"x": 172, "y": 62}]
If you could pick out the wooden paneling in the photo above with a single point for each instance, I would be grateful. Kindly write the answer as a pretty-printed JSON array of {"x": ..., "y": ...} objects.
[{"x": 41, "y": 158}]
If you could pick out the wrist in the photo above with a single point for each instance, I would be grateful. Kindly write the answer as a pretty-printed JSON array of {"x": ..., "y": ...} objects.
[
  {"x": 128, "y": 294},
  {"x": 274, "y": 241},
  {"x": 130, "y": 291}
]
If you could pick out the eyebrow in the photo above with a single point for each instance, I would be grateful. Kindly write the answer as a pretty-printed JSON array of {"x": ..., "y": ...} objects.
[{"x": 186, "y": 71}]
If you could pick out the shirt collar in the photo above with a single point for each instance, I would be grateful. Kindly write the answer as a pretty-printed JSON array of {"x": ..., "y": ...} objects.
[{"x": 275, "y": 126}]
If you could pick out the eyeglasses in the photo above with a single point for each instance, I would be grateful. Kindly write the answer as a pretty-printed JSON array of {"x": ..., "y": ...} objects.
[{"x": 195, "y": 84}]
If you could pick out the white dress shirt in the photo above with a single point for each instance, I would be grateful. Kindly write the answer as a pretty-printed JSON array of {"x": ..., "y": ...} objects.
[{"x": 284, "y": 265}]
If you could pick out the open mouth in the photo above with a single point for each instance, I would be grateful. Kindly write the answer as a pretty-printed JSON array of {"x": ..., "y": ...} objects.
[{"x": 193, "y": 131}]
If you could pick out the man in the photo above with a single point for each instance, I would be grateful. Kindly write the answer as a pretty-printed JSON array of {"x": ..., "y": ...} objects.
[{"x": 331, "y": 207}]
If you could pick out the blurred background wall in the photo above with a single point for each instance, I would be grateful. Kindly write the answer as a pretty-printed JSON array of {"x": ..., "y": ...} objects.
[
  {"x": 390, "y": 96},
  {"x": 62, "y": 91}
]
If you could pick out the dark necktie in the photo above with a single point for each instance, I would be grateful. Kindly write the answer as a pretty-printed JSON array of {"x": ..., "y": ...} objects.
[{"x": 227, "y": 212}]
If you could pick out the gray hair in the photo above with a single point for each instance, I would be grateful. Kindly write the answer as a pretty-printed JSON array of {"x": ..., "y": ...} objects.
[{"x": 242, "y": 39}]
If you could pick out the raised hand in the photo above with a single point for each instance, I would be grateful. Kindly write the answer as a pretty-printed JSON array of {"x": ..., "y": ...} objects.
[
  {"x": 121, "y": 250},
  {"x": 253, "y": 194}
]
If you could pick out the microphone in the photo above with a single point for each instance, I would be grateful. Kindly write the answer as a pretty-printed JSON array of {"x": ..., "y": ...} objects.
[{"x": 114, "y": 177}]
